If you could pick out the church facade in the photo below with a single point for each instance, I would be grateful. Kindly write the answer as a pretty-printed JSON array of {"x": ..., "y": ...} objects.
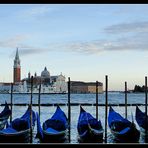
[{"x": 49, "y": 84}]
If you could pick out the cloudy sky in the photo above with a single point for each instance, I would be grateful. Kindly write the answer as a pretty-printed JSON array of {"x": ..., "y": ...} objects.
[{"x": 83, "y": 41}]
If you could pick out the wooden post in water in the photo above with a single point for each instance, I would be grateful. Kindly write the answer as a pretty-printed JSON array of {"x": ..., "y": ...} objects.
[
  {"x": 11, "y": 101},
  {"x": 106, "y": 106},
  {"x": 146, "y": 103},
  {"x": 97, "y": 100},
  {"x": 31, "y": 109},
  {"x": 39, "y": 99},
  {"x": 69, "y": 110},
  {"x": 126, "y": 100}
]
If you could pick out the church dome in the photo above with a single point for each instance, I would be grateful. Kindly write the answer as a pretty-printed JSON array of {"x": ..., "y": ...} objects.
[{"x": 45, "y": 73}]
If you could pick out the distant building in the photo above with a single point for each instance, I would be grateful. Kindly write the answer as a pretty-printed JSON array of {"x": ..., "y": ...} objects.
[
  {"x": 49, "y": 84},
  {"x": 85, "y": 87},
  {"x": 6, "y": 88}
]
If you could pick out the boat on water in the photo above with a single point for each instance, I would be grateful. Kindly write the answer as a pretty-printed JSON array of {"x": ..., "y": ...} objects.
[
  {"x": 4, "y": 115},
  {"x": 54, "y": 129},
  {"x": 18, "y": 131},
  {"x": 90, "y": 130},
  {"x": 142, "y": 120},
  {"x": 122, "y": 129}
]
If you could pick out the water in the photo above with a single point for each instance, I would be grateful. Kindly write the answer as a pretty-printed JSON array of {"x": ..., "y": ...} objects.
[{"x": 47, "y": 111}]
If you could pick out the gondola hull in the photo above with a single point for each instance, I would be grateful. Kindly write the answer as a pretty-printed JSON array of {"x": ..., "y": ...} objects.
[
  {"x": 91, "y": 136},
  {"x": 131, "y": 136},
  {"x": 122, "y": 129},
  {"x": 19, "y": 129},
  {"x": 54, "y": 138},
  {"x": 89, "y": 128},
  {"x": 19, "y": 137},
  {"x": 54, "y": 129}
]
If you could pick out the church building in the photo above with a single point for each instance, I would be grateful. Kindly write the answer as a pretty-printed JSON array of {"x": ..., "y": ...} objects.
[{"x": 49, "y": 84}]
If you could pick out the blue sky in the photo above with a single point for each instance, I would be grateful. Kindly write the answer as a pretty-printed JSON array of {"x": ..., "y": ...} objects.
[{"x": 83, "y": 41}]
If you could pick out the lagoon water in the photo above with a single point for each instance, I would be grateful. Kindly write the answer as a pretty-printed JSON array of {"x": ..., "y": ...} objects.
[{"x": 47, "y": 111}]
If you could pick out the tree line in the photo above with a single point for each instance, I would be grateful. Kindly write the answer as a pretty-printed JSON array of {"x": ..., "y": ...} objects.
[{"x": 138, "y": 88}]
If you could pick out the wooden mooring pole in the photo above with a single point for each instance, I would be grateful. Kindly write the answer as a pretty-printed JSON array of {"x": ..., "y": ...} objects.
[
  {"x": 39, "y": 99},
  {"x": 69, "y": 110},
  {"x": 31, "y": 109},
  {"x": 11, "y": 101},
  {"x": 106, "y": 106},
  {"x": 146, "y": 104},
  {"x": 97, "y": 100},
  {"x": 126, "y": 100}
]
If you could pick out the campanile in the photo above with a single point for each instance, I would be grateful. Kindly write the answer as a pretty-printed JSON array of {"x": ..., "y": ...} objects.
[{"x": 16, "y": 68}]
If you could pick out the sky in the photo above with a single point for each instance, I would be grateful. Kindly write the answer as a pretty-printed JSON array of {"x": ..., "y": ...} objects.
[{"x": 85, "y": 42}]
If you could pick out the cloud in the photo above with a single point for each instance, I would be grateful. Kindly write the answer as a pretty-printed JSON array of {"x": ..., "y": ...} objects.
[
  {"x": 127, "y": 28},
  {"x": 136, "y": 42},
  {"x": 31, "y": 50},
  {"x": 13, "y": 42},
  {"x": 89, "y": 47},
  {"x": 18, "y": 41}
]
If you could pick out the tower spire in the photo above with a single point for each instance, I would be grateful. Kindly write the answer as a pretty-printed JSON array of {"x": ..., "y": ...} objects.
[
  {"x": 17, "y": 55},
  {"x": 17, "y": 68}
]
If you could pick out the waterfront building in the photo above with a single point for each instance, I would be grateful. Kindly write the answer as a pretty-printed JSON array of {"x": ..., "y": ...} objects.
[
  {"x": 85, "y": 87},
  {"x": 49, "y": 84},
  {"x": 6, "y": 87}
]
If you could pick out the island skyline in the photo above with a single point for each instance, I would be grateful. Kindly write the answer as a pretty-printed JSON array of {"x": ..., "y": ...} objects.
[{"x": 83, "y": 41}]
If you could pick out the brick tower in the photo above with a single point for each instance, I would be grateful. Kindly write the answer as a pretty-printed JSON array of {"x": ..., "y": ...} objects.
[{"x": 16, "y": 68}]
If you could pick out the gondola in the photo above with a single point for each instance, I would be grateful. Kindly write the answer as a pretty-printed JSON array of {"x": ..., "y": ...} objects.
[
  {"x": 122, "y": 129},
  {"x": 55, "y": 129},
  {"x": 18, "y": 131},
  {"x": 4, "y": 115},
  {"x": 90, "y": 130},
  {"x": 142, "y": 120}
]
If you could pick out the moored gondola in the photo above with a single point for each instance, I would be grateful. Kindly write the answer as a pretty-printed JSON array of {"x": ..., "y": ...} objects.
[
  {"x": 19, "y": 129},
  {"x": 55, "y": 129},
  {"x": 123, "y": 130},
  {"x": 89, "y": 128}
]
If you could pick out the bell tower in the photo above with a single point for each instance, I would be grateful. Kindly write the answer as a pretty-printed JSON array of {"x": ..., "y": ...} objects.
[{"x": 16, "y": 68}]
